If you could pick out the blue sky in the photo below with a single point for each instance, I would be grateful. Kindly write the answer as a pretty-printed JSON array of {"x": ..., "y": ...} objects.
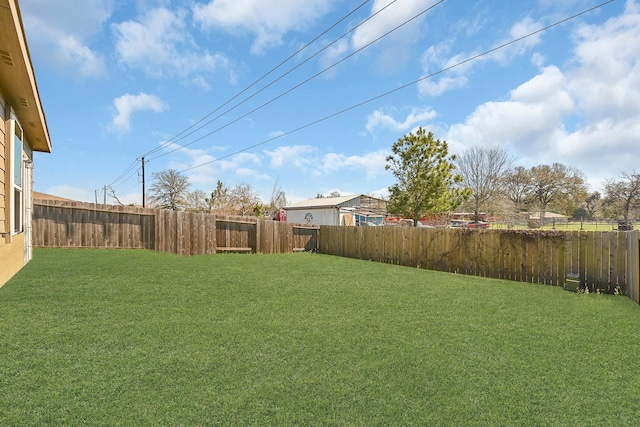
[{"x": 121, "y": 79}]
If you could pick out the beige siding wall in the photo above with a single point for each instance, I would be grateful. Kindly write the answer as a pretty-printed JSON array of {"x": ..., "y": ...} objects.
[
  {"x": 3, "y": 172},
  {"x": 12, "y": 247},
  {"x": 11, "y": 258}
]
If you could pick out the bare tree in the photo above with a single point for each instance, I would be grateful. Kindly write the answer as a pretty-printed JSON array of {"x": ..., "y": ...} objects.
[
  {"x": 622, "y": 196},
  {"x": 278, "y": 199},
  {"x": 196, "y": 201},
  {"x": 483, "y": 170},
  {"x": 113, "y": 195},
  {"x": 517, "y": 185},
  {"x": 244, "y": 199},
  {"x": 169, "y": 190},
  {"x": 220, "y": 200}
]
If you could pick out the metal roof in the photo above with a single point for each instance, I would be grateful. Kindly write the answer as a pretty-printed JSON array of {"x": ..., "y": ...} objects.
[{"x": 324, "y": 202}]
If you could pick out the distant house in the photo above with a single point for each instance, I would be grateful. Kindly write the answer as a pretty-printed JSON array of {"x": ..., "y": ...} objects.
[
  {"x": 549, "y": 218},
  {"x": 23, "y": 130},
  {"x": 344, "y": 210}
]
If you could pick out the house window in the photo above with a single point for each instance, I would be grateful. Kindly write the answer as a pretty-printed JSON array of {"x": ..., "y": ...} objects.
[{"x": 18, "y": 173}]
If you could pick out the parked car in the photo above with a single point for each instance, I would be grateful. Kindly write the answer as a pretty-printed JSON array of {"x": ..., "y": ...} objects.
[{"x": 463, "y": 223}]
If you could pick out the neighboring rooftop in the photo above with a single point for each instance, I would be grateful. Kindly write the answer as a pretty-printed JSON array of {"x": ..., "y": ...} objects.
[
  {"x": 44, "y": 196},
  {"x": 322, "y": 202}
]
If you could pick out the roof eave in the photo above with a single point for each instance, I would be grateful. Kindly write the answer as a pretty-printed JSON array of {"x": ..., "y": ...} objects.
[{"x": 17, "y": 78}]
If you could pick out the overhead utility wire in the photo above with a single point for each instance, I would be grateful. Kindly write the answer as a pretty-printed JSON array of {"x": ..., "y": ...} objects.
[
  {"x": 472, "y": 58},
  {"x": 173, "y": 139},
  {"x": 300, "y": 84},
  {"x": 269, "y": 84},
  {"x": 134, "y": 163},
  {"x": 166, "y": 143},
  {"x": 131, "y": 175}
]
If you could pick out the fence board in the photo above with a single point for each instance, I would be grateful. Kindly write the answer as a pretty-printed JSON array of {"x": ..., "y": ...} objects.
[{"x": 633, "y": 265}]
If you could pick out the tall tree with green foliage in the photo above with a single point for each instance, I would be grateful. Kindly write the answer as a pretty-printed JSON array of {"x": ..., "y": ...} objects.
[
  {"x": 559, "y": 186},
  {"x": 622, "y": 196},
  {"x": 427, "y": 182},
  {"x": 169, "y": 190}
]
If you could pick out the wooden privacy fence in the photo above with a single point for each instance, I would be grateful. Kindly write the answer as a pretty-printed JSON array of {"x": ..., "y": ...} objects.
[
  {"x": 601, "y": 260},
  {"x": 87, "y": 225}
]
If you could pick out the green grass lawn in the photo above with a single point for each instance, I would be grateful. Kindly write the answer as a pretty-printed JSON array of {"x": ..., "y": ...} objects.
[{"x": 93, "y": 337}]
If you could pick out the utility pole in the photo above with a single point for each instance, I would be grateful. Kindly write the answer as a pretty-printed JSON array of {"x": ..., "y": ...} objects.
[
  {"x": 104, "y": 192},
  {"x": 143, "y": 189}
]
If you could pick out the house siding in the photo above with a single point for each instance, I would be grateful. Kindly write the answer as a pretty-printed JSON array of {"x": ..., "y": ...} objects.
[
  {"x": 17, "y": 85},
  {"x": 3, "y": 172},
  {"x": 12, "y": 246},
  {"x": 11, "y": 258}
]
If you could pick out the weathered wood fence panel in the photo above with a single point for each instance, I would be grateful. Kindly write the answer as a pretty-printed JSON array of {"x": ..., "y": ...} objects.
[
  {"x": 76, "y": 224},
  {"x": 602, "y": 260},
  {"x": 83, "y": 226}
]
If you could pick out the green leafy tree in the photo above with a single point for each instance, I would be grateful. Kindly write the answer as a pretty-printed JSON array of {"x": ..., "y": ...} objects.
[
  {"x": 558, "y": 186},
  {"x": 593, "y": 204},
  {"x": 427, "y": 182},
  {"x": 169, "y": 190},
  {"x": 622, "y": 196}
]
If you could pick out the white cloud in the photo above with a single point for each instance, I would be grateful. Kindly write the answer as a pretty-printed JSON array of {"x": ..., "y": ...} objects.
[
  {"x": 528, "y": 122},
  {"x": 204, "y": 170},
  {"x": 519, "y": 48},
  {"x": 333, "y": 54},
  {"x": 159, "y": 43},
  {"x": 609, "y": 66},
  {"x": 295, "y": 155},
  {"x": 390, "y": 18},
  {"x": 128, "y": 104},
  {"x": 587, "y": 116},
  {"x": 371, "y": 163},
  {"x": 438, "y": 87},
  {"x": 62, "y": 39},
  {"x": 381, "y": 193},
  {"x": 268, "y": 21},
  {"x": 400, "y": 30},
  {"x": 417, "y": 116},
  {"x": 437, "y": 58}
]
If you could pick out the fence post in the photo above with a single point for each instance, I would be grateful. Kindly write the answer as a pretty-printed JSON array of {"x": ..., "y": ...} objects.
[
  {"x": 633, "y": 265},
  {"x": 259, "y": 222}
]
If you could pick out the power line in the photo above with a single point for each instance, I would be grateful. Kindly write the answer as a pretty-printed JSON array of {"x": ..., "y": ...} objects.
[
  {"x": 404, "y": 86},
  {"x": 167, "y": 143},
  {"x": 133, "y": 172},
  {"x": 176, "y": 137},
  {"x": 266, "y": 86},
  {"x": 124, "y": 173},
  {"x": 303, "y": 82}
]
